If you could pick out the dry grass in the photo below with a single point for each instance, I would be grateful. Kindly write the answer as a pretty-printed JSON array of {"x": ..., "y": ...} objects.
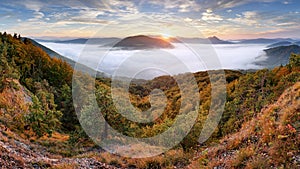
[
  {"x": 257, "y": 162},
  {"x": 241, "y": 157},
  {"x": 56, "y": 137},
  {"x": 270, "y": 139},
  {"x": 167, "y": 160},
  {"x": 65, "y": 166},
  {"x": 109, "y": 158}
]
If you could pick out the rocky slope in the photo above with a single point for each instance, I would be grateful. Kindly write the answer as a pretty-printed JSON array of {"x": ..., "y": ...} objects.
[{"x": 16, "y": 152}]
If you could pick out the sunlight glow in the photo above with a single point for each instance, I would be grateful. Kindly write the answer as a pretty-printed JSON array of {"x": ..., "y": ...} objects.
[{"x": 166, "y": 36}]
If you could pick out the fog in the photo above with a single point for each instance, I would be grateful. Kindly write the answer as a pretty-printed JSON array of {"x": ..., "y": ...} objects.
[{"x": 150, "y": 63}]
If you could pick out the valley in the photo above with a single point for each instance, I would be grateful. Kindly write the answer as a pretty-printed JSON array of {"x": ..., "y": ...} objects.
[{"x": 40, "y": 127}]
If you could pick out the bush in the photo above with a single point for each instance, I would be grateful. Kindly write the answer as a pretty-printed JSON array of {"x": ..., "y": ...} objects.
[{"x": 153, "y": 165}]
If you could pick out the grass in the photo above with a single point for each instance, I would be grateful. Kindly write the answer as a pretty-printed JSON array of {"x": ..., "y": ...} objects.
[
  {"x": 167, "y": 160},
  {"x": 258, "y": 162},
  {"x": 269, "y": 140},
  {"x": 239, "y": 160},
  {"x": 65, "y": 166}
]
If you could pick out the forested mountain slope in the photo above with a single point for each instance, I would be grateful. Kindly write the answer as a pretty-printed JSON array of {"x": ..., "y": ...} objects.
[
  {"x": 269, "y": 140},
  {"x": 36, "y": 109}
]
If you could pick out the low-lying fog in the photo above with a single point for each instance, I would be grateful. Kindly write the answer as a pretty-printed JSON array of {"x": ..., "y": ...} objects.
[{"x": 150, "y": 63}]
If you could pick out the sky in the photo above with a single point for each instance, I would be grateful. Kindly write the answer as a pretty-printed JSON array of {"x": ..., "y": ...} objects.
[{"x": 227, "y": 19}]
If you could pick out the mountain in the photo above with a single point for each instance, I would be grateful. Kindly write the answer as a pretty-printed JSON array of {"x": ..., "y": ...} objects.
[
  {"x": 297, "y": 43},
  {"x": 260, "y": 40},
  {"x": 210, "y": 40},
  {"x": 216, "y": 40},
  {"x": 142, "y": 42},
  {"x": 39, "y": 127},
  {"x": 277, "y": 56},
  {"x": 44, "y": 40},
  {"x": 278, "y": 44},
  {"x": 264, "y": 40},
  {"x": 52, "y": 53},
  {"x": 112, "y": 41},
  {"x": 75, "y": 41},
  {"x": 96, "y": 41}
]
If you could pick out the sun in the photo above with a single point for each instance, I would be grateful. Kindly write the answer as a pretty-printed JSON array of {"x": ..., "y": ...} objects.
[{"x": 166, "y": 36}]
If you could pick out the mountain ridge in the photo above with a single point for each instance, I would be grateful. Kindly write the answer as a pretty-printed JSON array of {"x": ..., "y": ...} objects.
[
  {"x": 277, "y": 56},
  {"x": 142, "y": 42},
  {"x": 208, "y": 40}
]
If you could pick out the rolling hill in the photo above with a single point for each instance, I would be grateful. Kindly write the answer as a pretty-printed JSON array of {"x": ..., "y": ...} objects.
[
  {"x": 210, "y": 40},
  {"x": 281, "y": 43},
  {"x": 277, "y": 56},
  {"x": 264, "y": 40},
  {"x": 95, "y": 41},
  {"x": 142, "y": 42}
]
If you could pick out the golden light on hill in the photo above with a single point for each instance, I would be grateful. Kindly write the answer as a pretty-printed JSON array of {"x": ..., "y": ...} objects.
[{"x": 166, "y": 37}]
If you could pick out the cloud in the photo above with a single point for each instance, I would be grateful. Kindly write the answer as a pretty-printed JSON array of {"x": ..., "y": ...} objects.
[
  {"x": 287, "y": 18},
  {"x": 280, "y": 32},
  {"x": 123, "y": 6},
  {"x": 34, "y": 5},
  {"x": 250, "y": 14},
  {"x": 77, "y": 8},
  {"x": 286, "y": 2},
  {"x": 188, "y": 19},
  {"x": 37, "y": 16},
  {"x": 249, "y": 18},
  {"x": 209, "y": 16},
  {"x": 229, "y": 57},
  {"x": 233, "y": 3},
  {"x": 88, "y": 21},
  {"x": 197, "y": 5},
  {"x": 287, "y": 24},
  {"x": 178, "y": 5}
]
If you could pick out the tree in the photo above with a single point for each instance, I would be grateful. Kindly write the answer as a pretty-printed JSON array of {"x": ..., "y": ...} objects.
[
  {"x": 43, "y": 117},
  {"x": 294, "y": 61},
  {"x": 6, "y": 71}
]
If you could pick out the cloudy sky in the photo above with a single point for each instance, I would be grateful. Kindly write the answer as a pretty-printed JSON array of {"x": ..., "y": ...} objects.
[{"x": 228, "y": 19}]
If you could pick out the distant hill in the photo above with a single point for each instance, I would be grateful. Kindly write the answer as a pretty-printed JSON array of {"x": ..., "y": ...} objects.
[
  {"x": 210, "y": 40},
  {"x": 99, "y": 41},
  {"x": 142, "y": 42},
  {"x": 45, "y": 40},
  {"x": 216, "y": 40},
  {"x": 260, "y": 40},
  {"x": 75, "y": 41},
  {"x": 278, "y": 55},
  {"x": 297, "y": 43},
  {"x": 282, "y": 43},
  {"x": 110, "y": 41},
  {"x": 264, "y": 40}
]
